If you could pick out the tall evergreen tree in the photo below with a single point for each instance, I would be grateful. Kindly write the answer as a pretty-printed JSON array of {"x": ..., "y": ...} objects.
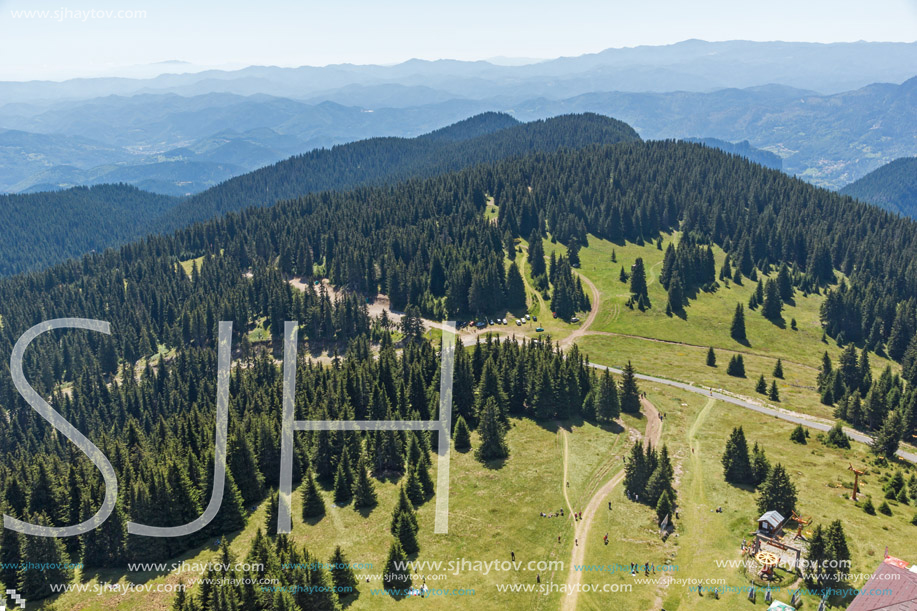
[
  {"x": 737, "y": 329},
  {"x": 493, "y": 445},
  {"x": 630, "y": 392}
]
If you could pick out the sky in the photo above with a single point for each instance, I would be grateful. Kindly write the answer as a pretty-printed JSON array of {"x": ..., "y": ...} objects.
[{"x": 65, "y": 43}]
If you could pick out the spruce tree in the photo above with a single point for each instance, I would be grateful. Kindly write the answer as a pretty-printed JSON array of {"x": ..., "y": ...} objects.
[
  {"x": 273, "y": 507},
  {"x": 836, "y": 437},
  {"x": 760, "y": 466},
  {"x": 461, "y": 436},
  {"x": 798, "y": 435},
  {"x": 711, "y": 357},
  {"x": 34, "y": 584},
  {"x": 887, "y": 439},
  {"x": 413, "y": 488},
  {"x": 630, "y": 392},
  {"x": 737, "y": 329},
  {"x": 342, "y": 573},
  {"x": 515, "y": 288},
  {"x": 607, "y": 406},
  {"x": 761, "y": 386},
  {"x": 343, "y": 480},
  {"x": 778, "y": 492},
  {"x": 313, "y": 506},
  {"x": 664, "y": 506},
  {"x": 773, "y": 394},
  {"x": 397, "y": 576},
  {"x": 364, "y": 491},
  {"x": 493, "y": 445},
  {"x": 405, "y": 507},
  {"x": 778, "y": 370},
  {"x": 735, "y": 460},
  {"x": 406, "y": 535},
  {"x": 638, "y": 281},
  {"x": 736, "y": 366}
]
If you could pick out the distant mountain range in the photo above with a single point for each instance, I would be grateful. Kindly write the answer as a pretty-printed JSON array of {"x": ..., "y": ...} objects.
[
  {"x": 41, "y": 229},
  {"x": 893, "y": 187},
  {"x": 180, "y": 134},
  {"x": 743, "y": 149}
]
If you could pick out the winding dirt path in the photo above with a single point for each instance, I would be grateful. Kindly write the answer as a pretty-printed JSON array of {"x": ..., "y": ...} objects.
[
  {"x": 581, "y": 528},
  {"x": 590, "y": 318}
]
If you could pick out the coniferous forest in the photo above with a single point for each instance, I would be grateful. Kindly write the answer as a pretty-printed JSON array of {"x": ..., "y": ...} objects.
[{"x": 426, "y": 244}]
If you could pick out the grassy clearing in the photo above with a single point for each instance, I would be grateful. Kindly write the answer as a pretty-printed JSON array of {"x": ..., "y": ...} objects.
[
  {"x": 706, "y": 323},
  {"x": 493, "y": 511},
  {"x": 705, "y": 537}
]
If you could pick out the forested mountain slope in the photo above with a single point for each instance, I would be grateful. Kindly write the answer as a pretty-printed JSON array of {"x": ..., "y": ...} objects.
[
  {"x": 385, "y": 160},
  {"x": 77, "y": 221},
  {"x": 428, "y": 244},
  {"x": 893, "y": 187},
  {"x": 40, "y": 229}
]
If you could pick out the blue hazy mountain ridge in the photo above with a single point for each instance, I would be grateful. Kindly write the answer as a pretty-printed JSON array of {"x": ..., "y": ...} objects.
[
  {"x": 743, "y": 149},
  {"x": 829, "y": 140},
  {"x": 893, "y": 187},
  {"x": 44, "y": 228},
  {"x": 827, "y": 68}
]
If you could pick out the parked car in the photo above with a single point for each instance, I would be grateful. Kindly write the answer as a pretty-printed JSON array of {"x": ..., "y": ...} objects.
[
  {"x": 535, "y": 318},
  {"x": 574, "y": 319},
  {"x": 555, "y": 314},
  {"x": 504, "y": 321},
  {"x": 539, "y": 330},
  {"x": 491, "y": 323},
  {"x": 518, "y": 323},
  {"x": 481, "y": 324}
]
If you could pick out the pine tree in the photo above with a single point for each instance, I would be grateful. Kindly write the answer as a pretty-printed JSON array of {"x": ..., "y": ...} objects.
[
  {"x": 343, "y": 480},
  {"x": 778, "y": 370},
  {"x": 676, "y": 294},
  {"x": 493, "y": 445},
  {"x": 35, "y": 584},
  {"x": 342, "y": 573},
  {"x": 413, "y": 489},
  {"x": 760, "y": 466},
  {"x": 397, "y": 575},
  {"x": 515, "y": 288},
  {"x": 887, "y": 439},
  {"x": 635, "y": 470},
  {"x": 664, "y": 506},
  {"x": 737, "y": 329},
  {"x": 773, "y": 305},
  {"x": 774, "y": 393},
  {"x": 736, "y": 366},
  {"x": 736, "y": 464},
  {"x": 630, "y": 392},
  {"x": 638, "y": 281},
  {"x": 836, "y": 437},
  {"x": 778, "y": 493},
  {"x": 461, "y": 436},
  {"x": 313, "y": 506},
  {"x": 406, "y": 535},
  {"x": 798, "y": 435},
  {"x": 405, "y": 507},
  {"x": 10, "y": 553},
  {"x": 273, "y": 507},
  {"x": 607, "y": 406},
  {"x": 761, "y": 386},
  {"x": 364, "y": 491},
  {"x": 711, "y": 357}
]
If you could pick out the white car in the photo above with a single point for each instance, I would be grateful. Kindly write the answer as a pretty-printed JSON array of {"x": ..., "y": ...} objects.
[
  {"x": 504, "y": 321},
  {"x": 518, "y": 323}
]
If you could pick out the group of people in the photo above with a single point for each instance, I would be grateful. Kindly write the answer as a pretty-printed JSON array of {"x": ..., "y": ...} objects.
[
  {"x": 635, "y": 568},
  {"x": 557, "y": 514}
]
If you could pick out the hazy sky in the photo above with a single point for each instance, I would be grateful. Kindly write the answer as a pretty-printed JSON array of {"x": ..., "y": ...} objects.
[{"x": 233, "y": 33}]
